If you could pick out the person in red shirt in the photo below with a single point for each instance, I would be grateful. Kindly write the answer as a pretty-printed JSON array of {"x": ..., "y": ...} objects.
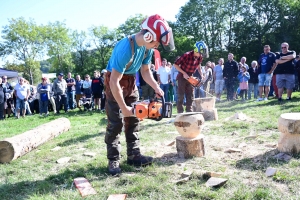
[{"x": 186, "y": 65}]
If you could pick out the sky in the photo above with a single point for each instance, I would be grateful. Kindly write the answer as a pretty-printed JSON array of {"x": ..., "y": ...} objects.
[{"x": 82, "y": 14}]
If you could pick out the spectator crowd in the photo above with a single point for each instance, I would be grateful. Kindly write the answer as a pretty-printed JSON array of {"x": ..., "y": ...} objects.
[{"x": 268, "y": 76}]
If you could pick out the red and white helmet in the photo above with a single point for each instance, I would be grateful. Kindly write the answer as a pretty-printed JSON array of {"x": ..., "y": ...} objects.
[{"x": 158, "y": 30}]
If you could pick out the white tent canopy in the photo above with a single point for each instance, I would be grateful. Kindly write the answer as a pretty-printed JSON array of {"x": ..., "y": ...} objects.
[{"x": 8, "y": 73}]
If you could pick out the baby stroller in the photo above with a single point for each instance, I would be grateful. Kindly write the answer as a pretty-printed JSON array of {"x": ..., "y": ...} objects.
[{"x": 87, "y": 102}]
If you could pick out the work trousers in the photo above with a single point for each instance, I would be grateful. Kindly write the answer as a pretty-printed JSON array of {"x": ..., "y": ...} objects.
[
  {"x": 184, "y": 88},
  {"x": 115, "y": 121}
]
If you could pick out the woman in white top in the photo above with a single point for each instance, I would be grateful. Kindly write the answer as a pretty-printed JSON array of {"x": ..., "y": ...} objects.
[
  {"x": 86, "y": 85},
  {"x": 207, "y": 78}
]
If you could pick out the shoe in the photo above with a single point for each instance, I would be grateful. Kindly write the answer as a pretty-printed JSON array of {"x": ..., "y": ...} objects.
[
  {"x": 279, "y": 100},
  {"x": 41, "y": 115},
  {"x": 114, "y": 167},
  {"x": 259, "y": 99},
  {"x": 266, "y": 99},
  {"x": 139, "y": 160},
  {"x": 288, "y": 98}
]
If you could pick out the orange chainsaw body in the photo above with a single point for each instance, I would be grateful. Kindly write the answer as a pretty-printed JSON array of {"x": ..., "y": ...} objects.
[
  {"x": 194, "y": 81},
  {"x": 146, "y": 109}
]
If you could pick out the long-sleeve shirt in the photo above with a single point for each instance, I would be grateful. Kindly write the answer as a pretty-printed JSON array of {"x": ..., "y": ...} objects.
[
  {"x": 59, "y": 87},
  {"x": 231, "y": 69},
  {"x": 174, "y": 73},
  {"x": 243, "y": 77}
]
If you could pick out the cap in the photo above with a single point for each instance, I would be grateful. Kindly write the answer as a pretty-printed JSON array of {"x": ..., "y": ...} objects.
[{"x": 61, "y": 74}]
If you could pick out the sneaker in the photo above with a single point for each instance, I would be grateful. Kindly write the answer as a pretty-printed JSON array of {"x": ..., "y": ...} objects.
[
  {"x": 288, "y": 98},
  {"x": 266, "y": 99},
  {"x": 114, "y": 167},
  {"x": 259, "y": 99},
  {"x": 41, "y": 115},
  {"x": 279, "y": 100},
  {"x": 139, "y": 160}
]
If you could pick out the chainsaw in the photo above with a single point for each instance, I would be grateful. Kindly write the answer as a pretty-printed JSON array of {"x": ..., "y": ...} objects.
[
  {"x": 194, "y": 81},
  {"x": 153, "y": 109}
]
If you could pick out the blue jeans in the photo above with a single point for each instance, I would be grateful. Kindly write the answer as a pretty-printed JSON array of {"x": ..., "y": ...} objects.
[
  {"x": 199, "y": 92},
  {"x": 20, "y": 104},
  {"x": 70, "y": 100},
  {"x": 254, "y": 87},
  {"x": 165, "y": 88},
  {"x": 175, "y": 90},
  {"x": 43, "y": 106}
]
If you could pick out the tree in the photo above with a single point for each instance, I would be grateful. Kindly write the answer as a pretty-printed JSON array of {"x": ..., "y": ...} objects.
[
  {"x": 131, "y": 26},
  {"x": 103, "y": 39},
  {"x": 25, "y": 42},
  {"x": 59, "y": 46}
]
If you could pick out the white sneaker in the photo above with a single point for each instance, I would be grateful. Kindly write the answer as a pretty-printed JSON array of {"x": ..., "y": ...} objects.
[
  {"x": 259, "y": 99},
  {"x": 266, "y": 99}
]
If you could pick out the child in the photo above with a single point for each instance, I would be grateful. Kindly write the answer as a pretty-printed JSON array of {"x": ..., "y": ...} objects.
[{"x": 243, "y": 78}]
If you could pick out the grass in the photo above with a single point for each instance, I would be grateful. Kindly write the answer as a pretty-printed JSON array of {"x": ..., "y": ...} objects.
[{"x": 36, "y": 175}]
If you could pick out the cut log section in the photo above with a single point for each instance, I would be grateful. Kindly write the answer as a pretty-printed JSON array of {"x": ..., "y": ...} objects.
[
  {"x": 187, "y": 148},
  {"x": 17, "y": 146},
  {"x": 289, "y": 126},
  {"x": 210, "y": 115}
]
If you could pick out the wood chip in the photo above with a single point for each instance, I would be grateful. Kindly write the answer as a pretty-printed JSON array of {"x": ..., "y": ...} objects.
[
  {"x": 242, "y": 145},
  {"x": 183, "y": 180},
  {"x": 56, "y": 148},
  {"x": 117, "y": 197},
  {"x": 63, "y": 160},
  {"x": 84, "y": 187},
  {"x": 251, "y": 137},
  {"x": 271, "y": 171},
  {"x": 271, "y": 145},
  {"x": 215, "y": 182},
  {"x": 186, "y": 174},
  {"x": 170, "y": 143},
  {"x": 232, "y": 150},
  {"x": 89, "y": 154}
]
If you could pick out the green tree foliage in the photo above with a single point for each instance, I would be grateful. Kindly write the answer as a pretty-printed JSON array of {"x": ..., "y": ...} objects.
[
  {"x": 131, "y": 26},
  {"x": 25, "y": 42},
  {"x": 103, "y": 40},
  {"x": 59, "y": 46}
]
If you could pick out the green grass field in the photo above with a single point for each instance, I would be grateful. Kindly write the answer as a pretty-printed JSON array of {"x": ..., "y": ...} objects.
[{"x": 37, "y": 175}]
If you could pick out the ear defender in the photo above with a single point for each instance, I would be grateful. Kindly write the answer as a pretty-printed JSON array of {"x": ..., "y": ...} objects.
[{"x": 148, "y": 37}]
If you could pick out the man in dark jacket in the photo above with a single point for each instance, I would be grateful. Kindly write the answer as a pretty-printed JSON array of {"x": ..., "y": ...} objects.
[
  {"x": 2, "y": 99},
  {"x": 230, "y": 73}
]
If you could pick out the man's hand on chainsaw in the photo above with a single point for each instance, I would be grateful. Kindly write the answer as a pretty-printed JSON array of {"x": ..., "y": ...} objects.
[
  {"x": 127, "y": 111},
  {"x": 159, "y": 92},
  {"x": 186, "y": 76}
]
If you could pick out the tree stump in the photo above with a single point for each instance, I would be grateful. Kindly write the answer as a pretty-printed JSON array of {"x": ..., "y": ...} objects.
[
  {"x": 289, "y": 126},
  {"x": 17, "y": 146},
  {"x": 187, "y": 148}
]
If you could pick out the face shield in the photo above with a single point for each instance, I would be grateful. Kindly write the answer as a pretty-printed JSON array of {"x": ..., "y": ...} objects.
[{"x": 167, "y": 40}]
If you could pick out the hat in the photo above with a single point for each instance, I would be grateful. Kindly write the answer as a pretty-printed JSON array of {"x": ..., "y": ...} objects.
[{"x": 61, "y": 74}]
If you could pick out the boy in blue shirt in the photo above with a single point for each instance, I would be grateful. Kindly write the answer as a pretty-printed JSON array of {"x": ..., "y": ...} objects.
[{"x": 128, "y": 56}]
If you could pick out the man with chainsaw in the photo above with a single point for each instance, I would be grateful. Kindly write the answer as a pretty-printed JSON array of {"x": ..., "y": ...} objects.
[
  {"x": 186, "y": 66},
  {"x": 128, "y": 56}
]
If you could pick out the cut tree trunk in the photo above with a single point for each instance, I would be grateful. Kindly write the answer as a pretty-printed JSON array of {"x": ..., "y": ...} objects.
[
  {"x": 17, "y": 146},
  {"x": 289, "y": 126},
  {"x": 210, "y": 115},
  {"x": 187, "y": 148}
]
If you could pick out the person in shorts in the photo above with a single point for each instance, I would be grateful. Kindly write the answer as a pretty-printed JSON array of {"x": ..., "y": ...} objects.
[
  {"x": 285, "y": 77},
  {"x": 219, "y": 80}
]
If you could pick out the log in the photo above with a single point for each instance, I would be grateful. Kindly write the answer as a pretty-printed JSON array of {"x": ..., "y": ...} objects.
[
  {"x": 19, "y": 145},
  {"x": 200, "y": 104},
  {"x": 210, "y": 115},
  {"x": 187, "y": 148},
  {"x": 289, "y": 126}
]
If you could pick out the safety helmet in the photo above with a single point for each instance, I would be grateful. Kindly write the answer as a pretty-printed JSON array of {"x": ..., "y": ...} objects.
[
  {"x": 202, "y": 48},
  {"x": 158, "y": 30},
  {"x": 103, "y": 71}
]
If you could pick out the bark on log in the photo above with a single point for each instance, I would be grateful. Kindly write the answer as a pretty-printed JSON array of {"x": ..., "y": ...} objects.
[
  {"x": 187, "y": 148},
  {"x": 289, "y": 126},
  {"x": 17, "y": 146}
]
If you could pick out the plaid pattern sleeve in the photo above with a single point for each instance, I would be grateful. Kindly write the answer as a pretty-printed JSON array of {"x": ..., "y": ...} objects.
[{"x": 188, "y": 62}]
